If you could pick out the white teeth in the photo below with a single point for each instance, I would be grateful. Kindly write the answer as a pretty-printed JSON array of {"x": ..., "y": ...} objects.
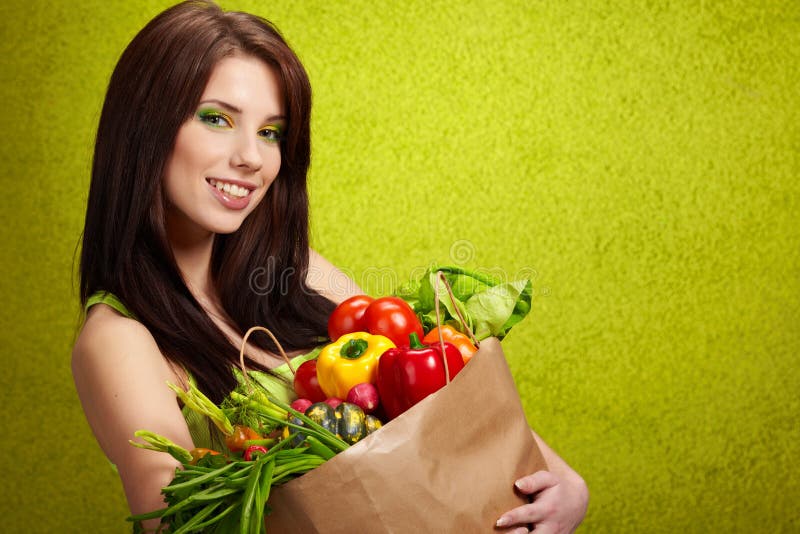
[{"x": 230, "y": 189}]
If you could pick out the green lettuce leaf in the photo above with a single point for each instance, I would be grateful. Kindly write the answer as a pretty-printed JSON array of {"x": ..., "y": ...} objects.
[
  {"x": 492, "y": 309},
  {"x": 489, "y": 306}
]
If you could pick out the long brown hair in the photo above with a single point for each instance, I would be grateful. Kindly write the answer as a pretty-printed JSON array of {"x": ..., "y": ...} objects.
[{"x": 153, "y": 90}]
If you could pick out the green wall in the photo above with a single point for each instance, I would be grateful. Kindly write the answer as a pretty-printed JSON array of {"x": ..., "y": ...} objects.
[{"x": 638, "y": 159}]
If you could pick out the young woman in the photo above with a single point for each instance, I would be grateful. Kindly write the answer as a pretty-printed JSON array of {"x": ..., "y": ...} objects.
[{"x": 196, "y": 229}]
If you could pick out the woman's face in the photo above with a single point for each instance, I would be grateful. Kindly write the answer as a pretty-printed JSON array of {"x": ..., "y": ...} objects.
[{"x": 227, "y": 155}]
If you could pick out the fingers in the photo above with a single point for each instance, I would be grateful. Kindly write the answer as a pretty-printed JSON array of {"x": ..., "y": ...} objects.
[
  {"x": 533, "y": 512},
  {"x": 523, "y": 515},
  {"x": 536, "y": 482}
]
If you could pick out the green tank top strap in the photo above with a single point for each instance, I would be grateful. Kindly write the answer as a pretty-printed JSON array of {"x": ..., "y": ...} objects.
[{"x": 109, "y": 299}]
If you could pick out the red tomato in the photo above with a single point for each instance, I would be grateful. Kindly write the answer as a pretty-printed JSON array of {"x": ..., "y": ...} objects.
[
  {"x": 392, "y": 317},
  {"x": 236, "y": 441},
  {"x": 348, "y": 316},
  {"x": 306, "y": 384}
]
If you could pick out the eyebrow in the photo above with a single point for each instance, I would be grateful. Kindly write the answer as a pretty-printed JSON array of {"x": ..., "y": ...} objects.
[{"x": 233, "y": 109}]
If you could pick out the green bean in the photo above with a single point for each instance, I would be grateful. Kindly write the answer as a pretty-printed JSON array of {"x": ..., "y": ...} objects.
[
  {"x": 193, "y": 525},
  {"x": 298, "y": 466},
  {"x": 224, "y": 491},
  {"x": 235, "y": 479},
  {"x": 217, "y": 517},
  {"x": 195, "y": 469},
  {"x": 193, "y": 500},
  {"x": 148, "y": 515},
  {"x": 164, "y": 511},
  {"x": 205, "y": 493},
  {"x": 289, "y": 454},
  {"x": 320, "y": 449},
  {"x": 244, "y": 470},
  {"x": 249, "y": 465},
  {"x": 263, "y": 494},
  {"x": 278, "y": 447},
  {"x": 200, "y": 479},
  {"x": 236, "y": 482},
  {"x": 249, "y": 495}
]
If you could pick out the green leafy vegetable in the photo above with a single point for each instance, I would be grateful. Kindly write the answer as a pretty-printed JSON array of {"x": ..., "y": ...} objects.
[{"x": 490, "y": 306}]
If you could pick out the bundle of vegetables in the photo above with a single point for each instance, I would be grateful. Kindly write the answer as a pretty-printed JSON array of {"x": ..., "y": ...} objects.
[
  {"x": 227, "y": 491},
  {"x": 224, "y": 494},
  {"x": 388, "y": 354}
]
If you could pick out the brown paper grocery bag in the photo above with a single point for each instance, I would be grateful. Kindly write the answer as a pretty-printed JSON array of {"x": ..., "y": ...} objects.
[{"x": 446, "y": 465}]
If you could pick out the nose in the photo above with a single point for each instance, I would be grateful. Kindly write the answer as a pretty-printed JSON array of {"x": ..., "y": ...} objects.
[{"x": 246, "y": 153}]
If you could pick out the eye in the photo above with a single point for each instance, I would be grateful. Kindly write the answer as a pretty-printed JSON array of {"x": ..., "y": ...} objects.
[
  {"x": 272, "y": 134},
  {"x": 215, "y": 119}
]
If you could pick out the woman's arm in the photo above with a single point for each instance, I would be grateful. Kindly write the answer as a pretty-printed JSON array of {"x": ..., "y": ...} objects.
[
  {"x": 329, "y": 281},
  {"x": 121, "y": 377},
  {"x": 560, "y": 497}
]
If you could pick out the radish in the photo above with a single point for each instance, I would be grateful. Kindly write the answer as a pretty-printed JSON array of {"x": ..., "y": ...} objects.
[
  {"x": 365, "y": 396},
  {"x": 301, "y": 405},
  {"x": 252, "y": 451},
  {"x": 333, "y": 402}
]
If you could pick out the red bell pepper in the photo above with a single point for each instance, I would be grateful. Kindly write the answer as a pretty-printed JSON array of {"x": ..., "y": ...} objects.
[{"x": 409, "y": 374}]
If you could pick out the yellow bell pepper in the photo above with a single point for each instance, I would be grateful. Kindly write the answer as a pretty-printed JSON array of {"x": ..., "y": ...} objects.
[{"x": 350, "y": 360}]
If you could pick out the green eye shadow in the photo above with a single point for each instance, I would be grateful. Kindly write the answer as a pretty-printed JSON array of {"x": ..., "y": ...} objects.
[
  {"x": 214, "y": 118},
  {"x": 272, "y": 134}
]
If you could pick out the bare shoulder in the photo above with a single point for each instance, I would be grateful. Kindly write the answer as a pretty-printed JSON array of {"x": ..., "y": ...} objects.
[
  {"x": 112, "y": 343},
  {"x": 121, "y": 378},
  {"x": 104, "y": 329},
  {"x": 119, "y": 371},
  {"x": 329, "y": 280}
]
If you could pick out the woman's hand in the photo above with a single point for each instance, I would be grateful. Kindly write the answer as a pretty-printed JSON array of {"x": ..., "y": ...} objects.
[
  {"x": 559, "y": 504},
  {"x": 560, "y": 498}
]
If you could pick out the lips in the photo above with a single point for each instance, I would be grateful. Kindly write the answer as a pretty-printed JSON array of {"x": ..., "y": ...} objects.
[{"x": 233, "y": 194}]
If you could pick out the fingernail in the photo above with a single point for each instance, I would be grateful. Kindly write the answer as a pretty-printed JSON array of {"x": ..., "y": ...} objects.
[
  {"x": 503, "y": 521},
  {"x": 520, "y": 484}
]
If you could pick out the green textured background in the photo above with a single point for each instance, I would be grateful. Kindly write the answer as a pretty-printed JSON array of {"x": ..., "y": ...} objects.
[{"x": 639, "y": 161}]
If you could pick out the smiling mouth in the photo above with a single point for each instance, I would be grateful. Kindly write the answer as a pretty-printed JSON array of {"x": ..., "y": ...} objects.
[{"x": 231, "y": 190}]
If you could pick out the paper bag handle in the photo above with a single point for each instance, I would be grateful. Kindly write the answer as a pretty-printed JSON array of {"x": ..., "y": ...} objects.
[
  {"x": 449, "y": 289},
  {"x": 277, "y": 344},
  {"x": 440, "y": 276}
]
